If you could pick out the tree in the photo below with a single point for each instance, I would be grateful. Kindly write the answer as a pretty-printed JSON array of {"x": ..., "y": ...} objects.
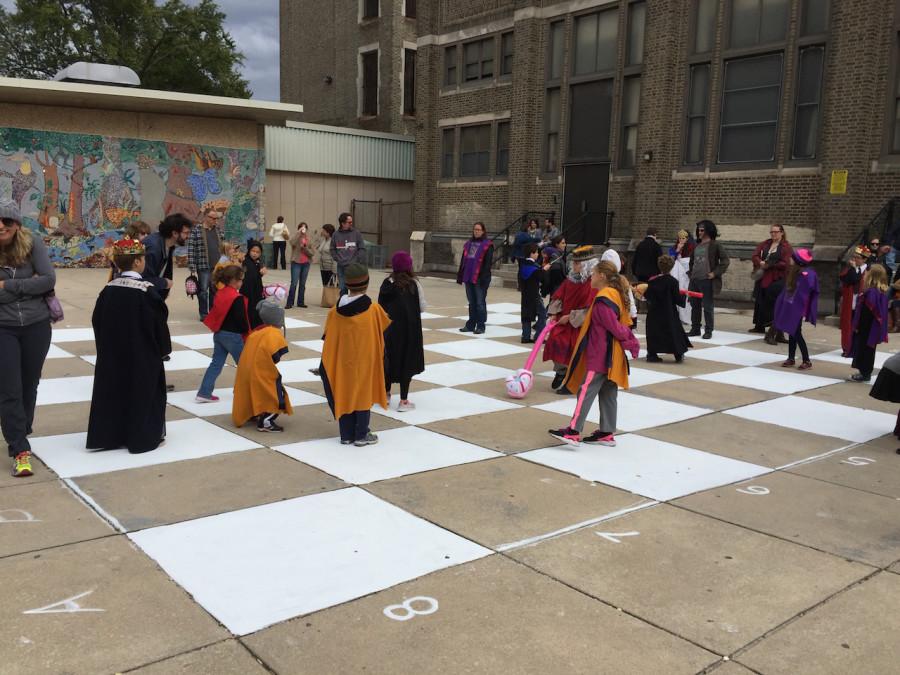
[{"x": 171, "y": 46}]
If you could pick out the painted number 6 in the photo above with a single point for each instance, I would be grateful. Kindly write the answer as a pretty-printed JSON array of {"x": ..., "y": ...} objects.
[
  {"x": 754, "y": 490},
  {"x": 405, "y": 610}
]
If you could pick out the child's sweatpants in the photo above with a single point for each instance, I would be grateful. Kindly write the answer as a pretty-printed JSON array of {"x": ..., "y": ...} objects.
[
  {"x": 596, "y": 385},
  {"x": 354, "y": 426}
]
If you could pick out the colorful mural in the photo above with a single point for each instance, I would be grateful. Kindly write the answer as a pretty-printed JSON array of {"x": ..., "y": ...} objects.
[{"x": 79, "y": 191}]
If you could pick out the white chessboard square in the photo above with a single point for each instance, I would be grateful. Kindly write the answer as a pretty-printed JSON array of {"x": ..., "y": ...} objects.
[
  {"x": 185, "y": 439},
  {"x": 490, "y": 331},
  {"x": 505, "y": 307},
  {"x": 399, "y": 452},
  {"x": 196, "y": 341},
  {"x": 455, "y": 373},
  {"x": 438, "y": 404},
  {"x": 314, "y": 552},
  {"x": 312, "y": 345},
  {"x": 298, "y": 323},
  {"x": 819, "y": 417},
  {"x": 72, "y": 335},
  {"x": 634, "y": 411},
  {"x": 835, "y": 357},
  {"x": 736, "y": 356},
  {"x": 58, "y": 353},
  {"x": 648, "y": 467},
  {"x": 498, "y": 319},
  {"x": 476, "y": 349},
  {"x": 777, "y": 381},
  {"x": 641, "y": 377},
  {"x": 297, "y": 370},
  {"x": 724, "y": 338},
  {"x": 185, "y": 359},
  {"x": 425, "y": 316},
  {"x": 186, "y": 401},
  {"x": 65, "y": 390}
]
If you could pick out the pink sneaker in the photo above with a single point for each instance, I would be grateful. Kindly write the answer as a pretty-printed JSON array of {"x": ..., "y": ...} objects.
[
  {"x": 567, "y": 435},
  {"x": 600, "y": 438},
  {"x": 212, "y": 398}
]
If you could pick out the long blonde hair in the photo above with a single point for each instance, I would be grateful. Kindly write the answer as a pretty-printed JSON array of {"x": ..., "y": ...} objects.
[
  {"x": 876, "y": 277},
  {"x": 617, "y": 281},
  {"x": 16, "y": 253}
]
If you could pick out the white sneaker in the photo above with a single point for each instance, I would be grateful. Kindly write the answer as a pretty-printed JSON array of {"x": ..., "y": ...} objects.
[{"x": 405, "y": 406}]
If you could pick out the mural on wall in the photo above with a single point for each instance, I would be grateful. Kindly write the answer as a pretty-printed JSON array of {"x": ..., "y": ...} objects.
[{"x": 78, "y": 192}]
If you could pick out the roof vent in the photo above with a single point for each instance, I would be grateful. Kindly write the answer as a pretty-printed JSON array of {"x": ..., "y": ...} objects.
[{"x": 99, "y": 73}]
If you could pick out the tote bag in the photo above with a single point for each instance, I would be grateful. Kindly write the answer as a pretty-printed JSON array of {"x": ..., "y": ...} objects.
[{"x": 330, "y": 293}]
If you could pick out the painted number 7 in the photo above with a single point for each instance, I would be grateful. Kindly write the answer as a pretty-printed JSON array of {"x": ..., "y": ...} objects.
[{"x": 754, "y": 490}]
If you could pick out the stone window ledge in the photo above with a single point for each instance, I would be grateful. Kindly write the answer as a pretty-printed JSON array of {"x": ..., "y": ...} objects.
[
  {"x": 480, "y": 86},
  {"x": 886, "y": 165},
  {"x": 473, "y": 183},
  {"x": 747, "y": 173}
]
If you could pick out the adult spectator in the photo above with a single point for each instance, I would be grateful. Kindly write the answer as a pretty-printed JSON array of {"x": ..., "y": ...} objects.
[
  {"x": 683, "y": 246},
  {"x": 326, "y": 262},
  {"x": 279, "y": 234},
  {"x": 529, "y": 234},
  {"x": 26, "y": 277},
  {"x": 770, "y": 263},
  {"x": 554, "y": 255},
  {"x": 347, "y": 247},
  {"x": 301, "y": 258},
  {"x": 550, "y": 229},
  {"x": 708, "y": 263},
  {"x": 159, "y": 260},
  {"x": 475, "y": 274},
  {"x": 644, "y": 264},
  {"x": 204, "y": 247}
]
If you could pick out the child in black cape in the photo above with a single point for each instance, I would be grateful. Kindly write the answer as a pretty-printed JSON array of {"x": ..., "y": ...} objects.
[
  {"x": 254, "y": 271},
  {"x": 887, "y": 387},
  {"x": 532, "y": 278},
  {"x": 665, "y": 333}
]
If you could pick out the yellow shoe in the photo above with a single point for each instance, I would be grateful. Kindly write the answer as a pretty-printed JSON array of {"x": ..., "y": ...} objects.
[{"x": 22, "y": 466}]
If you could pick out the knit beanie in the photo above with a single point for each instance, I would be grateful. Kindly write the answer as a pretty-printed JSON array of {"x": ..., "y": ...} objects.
[
  {"x": 356, "y": 276},
  {"x": 271, "y": 312},
  {"x": 9, "y": 211},
  {"x": 401, "y": 261}
]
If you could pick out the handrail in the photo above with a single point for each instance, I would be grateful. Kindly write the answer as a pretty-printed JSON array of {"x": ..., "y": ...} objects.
[{"x": 517, "y": 224}]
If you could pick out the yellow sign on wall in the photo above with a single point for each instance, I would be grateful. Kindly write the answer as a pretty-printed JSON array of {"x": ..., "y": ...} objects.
[{"x": 839, "y": 182}]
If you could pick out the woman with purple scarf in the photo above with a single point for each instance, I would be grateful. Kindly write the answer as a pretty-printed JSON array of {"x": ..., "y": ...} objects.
[
  {"x": 799, "y": 300},
  {"x": 475, "y": 274},
  {"x": 870, "y": 322}
]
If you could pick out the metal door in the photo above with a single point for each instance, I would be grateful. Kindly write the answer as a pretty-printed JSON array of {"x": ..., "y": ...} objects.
[{"x": 585, "y": 195}]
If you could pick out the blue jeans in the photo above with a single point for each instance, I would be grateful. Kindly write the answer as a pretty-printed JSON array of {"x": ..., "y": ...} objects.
[
  {"x": 341, "y": 282},
  {"x": 206, "y": 292},
  {"x": 891, "y": 261},
  {"x": 538, "y": 326},
  {"x": 354, "y": 426},
  {"x": 299, "y": 272},
  {"x": 476, "y": 294},
  {"x": 224, "y": 343}
]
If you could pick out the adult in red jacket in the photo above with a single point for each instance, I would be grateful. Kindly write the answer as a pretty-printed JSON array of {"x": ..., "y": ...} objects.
[{"x": 770, "y": 263}]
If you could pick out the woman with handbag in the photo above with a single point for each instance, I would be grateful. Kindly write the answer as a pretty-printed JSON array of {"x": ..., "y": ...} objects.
[
  {"x": 770, "y": 263},
  {"x": 330, "y": 290},
  {"x": 301, "y": 258},
  {"x": 26, "y": 280}
]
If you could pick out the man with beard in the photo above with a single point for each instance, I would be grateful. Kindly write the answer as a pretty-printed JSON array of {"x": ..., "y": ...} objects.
[{"x": 159, "y": 260}]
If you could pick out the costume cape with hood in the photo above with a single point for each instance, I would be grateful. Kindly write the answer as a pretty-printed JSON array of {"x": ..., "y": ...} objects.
[
  {"x": 850, "y": 280},
  {"x": 257, "y": 386}
]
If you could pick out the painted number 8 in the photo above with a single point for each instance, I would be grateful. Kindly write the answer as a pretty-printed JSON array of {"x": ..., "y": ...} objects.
[{"x": 405, "y": 610}]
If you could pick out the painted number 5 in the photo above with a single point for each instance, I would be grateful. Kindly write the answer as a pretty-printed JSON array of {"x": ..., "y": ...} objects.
[
  {"x": 754, "y": 490},
  {"x": 405, "y": 610},
  {"x": 858, "y": 461}
]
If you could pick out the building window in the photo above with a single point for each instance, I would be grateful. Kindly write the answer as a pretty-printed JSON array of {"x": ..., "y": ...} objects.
[
  {"x": 591, "y": 109},
  {"x": 506, "y": 54},
  {"x": 409, "y": 81},
  {"x": 705, "y": 25},
  {"x": 479, "y": 60},
  {"x": 757, "y": 22},
  {"x": 502, "y": 149},
  {"x": 448, "y": 150},
  {"x": 475, "y": 150},
  {"x": 697, "y": 111},
  {"x": 595, "y": 42},
  {"x": 809, "y": 94},
  {"x": 750, "y": 104},
  {"x": 556, "y": 50},
  {"x": 631, "y": 102},
  {"x": 369, "y": 84},
  {"x": 552, "y": 114},
  {"x": 637, "y": 16},
  {"x": 450, "y": 67},
  {"x": 815, "y": 17},
  {"x": 409, "y": 8},
  {"x": 370, "y": 9}
]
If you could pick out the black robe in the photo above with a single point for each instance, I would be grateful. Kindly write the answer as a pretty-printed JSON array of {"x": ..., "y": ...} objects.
[
  {"x": 665, "y": 334},
  {"x": 128, "y": 405},
  {"x": 404, "y": 355},
  {"x": 252, "y": 288}
]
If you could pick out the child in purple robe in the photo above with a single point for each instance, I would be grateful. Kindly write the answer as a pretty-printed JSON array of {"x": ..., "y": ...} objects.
[
  {"x": 798, "y": 300},
  {"x": 870, "y": 322}
]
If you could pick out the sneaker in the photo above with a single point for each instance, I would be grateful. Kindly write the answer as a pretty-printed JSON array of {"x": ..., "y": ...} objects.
[
  {"x": 370, "y": 439},
  {"x": 301, "y": 306},
  {"x": 679, "y": 359},
  {"x": 478, "y": 331},
  {"x": 859, "y": 377},
  {"x": 466, "y": 329},
  {"x": 695, "y": 332},
  {"x": 558, "y": 380},
  {"x": 343, "y": 442},
  {"x": 600, "y": 438},
  {"x": 707, "y": 334},
  {"x": 404, "y": 406},
  {"x": 653, "y": 358},
  {"x": 270, "y": 427},
  {"x": 527, "y": 341},
  {"x": 567, "y": 435},
  {"x": 170, "y": 388},
  {"x": 806, "y": 365},
  {"x": 758, "y": 329},
  {"x": 212, "y": 398},
  {"x": 22, "y": 465},
  {"x": 315, "y": 371},
  {"x": 789, "y": 363}
]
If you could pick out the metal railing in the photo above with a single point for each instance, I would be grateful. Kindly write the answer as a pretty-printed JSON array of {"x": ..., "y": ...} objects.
[{"x": 506, "y": 236}]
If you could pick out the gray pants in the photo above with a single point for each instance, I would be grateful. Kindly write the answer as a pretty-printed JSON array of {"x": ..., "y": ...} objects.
[
  {"x": 704, "y": 304},
  {"x": 596, "y": 385}
]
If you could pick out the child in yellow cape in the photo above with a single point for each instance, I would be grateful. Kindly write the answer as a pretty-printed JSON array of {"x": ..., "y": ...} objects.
[
  {"x": 599, "y": 366},
  {"x": 352, "y": 368},
  {"x": 258, "y": 391}
]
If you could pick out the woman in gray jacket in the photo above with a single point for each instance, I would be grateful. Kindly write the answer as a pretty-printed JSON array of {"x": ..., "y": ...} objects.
[{"x": 26, "y": 276}]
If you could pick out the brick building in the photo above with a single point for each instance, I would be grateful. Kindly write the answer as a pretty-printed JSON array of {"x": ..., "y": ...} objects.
[{"x": 660, "y": 111}]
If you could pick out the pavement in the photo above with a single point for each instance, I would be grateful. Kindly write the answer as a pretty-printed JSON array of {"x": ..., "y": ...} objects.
[{"x": 748, "y": 520}]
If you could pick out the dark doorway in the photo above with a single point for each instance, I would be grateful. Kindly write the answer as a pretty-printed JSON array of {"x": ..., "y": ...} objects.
[{"x": 585, "y": 194}]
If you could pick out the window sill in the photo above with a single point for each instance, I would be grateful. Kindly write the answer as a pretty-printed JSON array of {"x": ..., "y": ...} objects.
[
  {"x": 887, "y": 164},
  {"x": 473, "y": 182},
  {"x": 367, "y": 118},
  {"x": 548, "y": 178},
  {"x": 476, "y": 86},
  {"x": 721, "y": 172}
]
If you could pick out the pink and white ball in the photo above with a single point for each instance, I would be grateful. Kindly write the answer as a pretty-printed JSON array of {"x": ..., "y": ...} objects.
[
  {"x": 519, "y": 383},
  {"x": 276, "y": 291}
]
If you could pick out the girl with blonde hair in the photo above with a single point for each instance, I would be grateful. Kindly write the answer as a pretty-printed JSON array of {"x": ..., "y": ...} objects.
[{"x": 870, "y": 322}]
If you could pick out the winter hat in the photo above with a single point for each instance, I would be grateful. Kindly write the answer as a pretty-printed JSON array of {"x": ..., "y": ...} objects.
[
  {"x": 401, "y": 261},
  {"x": 271, "y": 312},
  {"x": 609, "y": 255},
  {"x": 356, "y": 276},
  {"x": 253, "y": 243},
  {"x": 583, "y": 253},
  {"x": 9, "y": 211},
  {"x": 802, "y": 256}
]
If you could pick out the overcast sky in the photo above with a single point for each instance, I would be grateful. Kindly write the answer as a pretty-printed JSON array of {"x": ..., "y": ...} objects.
[{"x": 254, "y": 27}]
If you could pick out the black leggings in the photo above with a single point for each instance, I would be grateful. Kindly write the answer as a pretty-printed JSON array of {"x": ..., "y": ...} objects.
[
  {"x": 22, "y": 353},
  {"x": 795, "y": 341},
  {"x": 404, "y": 390}
]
